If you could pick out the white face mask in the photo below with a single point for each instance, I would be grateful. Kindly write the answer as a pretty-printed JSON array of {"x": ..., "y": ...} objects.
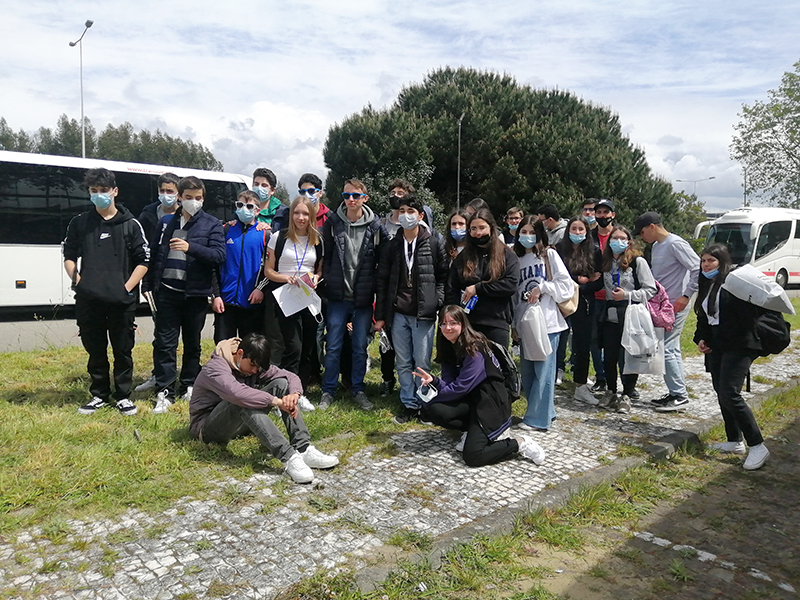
[{"x": 191, "y": 207}]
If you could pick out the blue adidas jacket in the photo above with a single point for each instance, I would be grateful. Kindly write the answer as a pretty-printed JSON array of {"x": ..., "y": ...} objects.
[{"x": 241, "y": 271}]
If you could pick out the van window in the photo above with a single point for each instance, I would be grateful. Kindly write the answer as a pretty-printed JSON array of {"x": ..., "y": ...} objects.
[{"x": 772, "y": 236}]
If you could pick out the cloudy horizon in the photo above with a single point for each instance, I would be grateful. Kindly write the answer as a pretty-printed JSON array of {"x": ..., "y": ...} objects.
[{"x": 260, "y": 83}]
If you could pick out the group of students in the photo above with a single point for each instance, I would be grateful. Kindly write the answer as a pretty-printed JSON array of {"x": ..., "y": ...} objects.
[{"x": 395, "y": 275}]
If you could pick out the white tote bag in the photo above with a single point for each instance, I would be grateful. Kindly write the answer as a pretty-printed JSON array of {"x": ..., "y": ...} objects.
[
  {"x": 532, "y": 331},
  {"x": 638, "y": 333},
  {"x": 647, "y": 364}
]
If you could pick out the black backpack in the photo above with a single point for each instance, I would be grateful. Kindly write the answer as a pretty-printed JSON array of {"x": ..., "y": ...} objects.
[
  {"x": 509, "y": 370},
  {"x": 772, "y": 331}
]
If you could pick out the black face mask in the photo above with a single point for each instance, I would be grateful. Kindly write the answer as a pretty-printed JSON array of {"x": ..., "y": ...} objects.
[
  {"x": 604, "y": 221},
  {"x": 481, "y": 241},
  {"x": 394, "y": 202}
]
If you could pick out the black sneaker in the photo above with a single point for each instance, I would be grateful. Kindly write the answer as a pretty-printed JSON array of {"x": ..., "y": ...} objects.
[
  {"x": 633, "y": 394},
  {"x": 599, "y": 386},
  {"x": 661, "y": 401},
  {"x": 92, "y": 406},
  {"x": 387, "y": 387},
  {"x": 406, "y": 415},
  {"x": 673, "y": 404}
]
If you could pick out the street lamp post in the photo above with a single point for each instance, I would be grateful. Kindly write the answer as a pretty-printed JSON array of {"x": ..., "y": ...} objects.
[
  {"x": 695, "y": 182},
  {"x": 79, "y": 43},
  {"x": 458, "y": 173}
]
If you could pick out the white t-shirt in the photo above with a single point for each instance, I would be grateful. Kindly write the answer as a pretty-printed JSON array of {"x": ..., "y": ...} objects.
[{"x": 296, "y": 258}]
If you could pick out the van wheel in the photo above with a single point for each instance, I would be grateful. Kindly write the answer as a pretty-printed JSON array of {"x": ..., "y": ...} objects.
[{"x": 782, "y": 278}]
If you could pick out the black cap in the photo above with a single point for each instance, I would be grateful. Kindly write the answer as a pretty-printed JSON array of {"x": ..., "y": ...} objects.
[
  {"x": 644, "y": 220},
  {"x": 605, "y": 202}
]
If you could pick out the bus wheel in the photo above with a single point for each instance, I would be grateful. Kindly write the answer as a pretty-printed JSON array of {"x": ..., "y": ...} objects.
[{"x": 782, "y": 278}]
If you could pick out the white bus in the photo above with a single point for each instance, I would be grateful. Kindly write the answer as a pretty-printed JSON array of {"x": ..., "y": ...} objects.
[
  {"x": 39, "y": 194},
  {"x": 767, "y": 238}
]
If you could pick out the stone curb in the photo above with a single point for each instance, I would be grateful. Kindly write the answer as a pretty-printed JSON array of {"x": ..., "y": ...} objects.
[{"x": 502, "y": 521}]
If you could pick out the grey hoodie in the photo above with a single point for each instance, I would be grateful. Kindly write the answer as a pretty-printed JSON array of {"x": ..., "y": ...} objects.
[{"x": 354, "y": 238}]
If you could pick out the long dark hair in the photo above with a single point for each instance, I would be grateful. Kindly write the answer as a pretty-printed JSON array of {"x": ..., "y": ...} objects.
[
  {"x": 580, "y": 259},
  {"x": 450, "y": 245},
  {"x": 627, "y": 257},
  {"x": 540, "y": 249},
  {"x": 497, "y": 249},
  {"x": 710, "y": 287},
  {"x": 469, "y": 342}
]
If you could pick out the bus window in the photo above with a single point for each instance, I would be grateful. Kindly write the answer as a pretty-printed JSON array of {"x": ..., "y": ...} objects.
[
  {"x": 773, "y": 236},
  {"x": 736, "y": 236},
  {"x": 797, "y": 230}
]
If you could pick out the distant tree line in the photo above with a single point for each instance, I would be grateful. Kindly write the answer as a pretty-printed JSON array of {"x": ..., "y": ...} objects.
[{"x": 122, "y": 143}]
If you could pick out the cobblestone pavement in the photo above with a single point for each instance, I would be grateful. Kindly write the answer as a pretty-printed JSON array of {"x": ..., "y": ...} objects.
[{"x": 278, "y": 533}]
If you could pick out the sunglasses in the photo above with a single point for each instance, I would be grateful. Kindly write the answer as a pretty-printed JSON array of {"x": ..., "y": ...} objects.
[
  {"x": 354, "y": 195},
  {"x": 243, "y": 205},
  {"x": 308, "y": 191}
]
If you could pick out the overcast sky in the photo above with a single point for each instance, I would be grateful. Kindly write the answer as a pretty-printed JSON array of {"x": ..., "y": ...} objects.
[{"x": 260, "y": 82}]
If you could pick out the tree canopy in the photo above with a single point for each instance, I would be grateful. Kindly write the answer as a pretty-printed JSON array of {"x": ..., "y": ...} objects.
[
  {"x": 122, "y": 143},
  {"x": 767, "y": 143},
  {"x": 519, "y": 146}
]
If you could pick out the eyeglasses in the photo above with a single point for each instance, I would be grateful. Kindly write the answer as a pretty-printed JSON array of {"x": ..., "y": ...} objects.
[
  {"x": 308, "y": 191},
  {"x": 587, "y": 209},
  {"x": 354, "y": 195},
  {"x": 449, "y": 324},
  {"x": 248, "y": 205},
  {"x": 397, "y": 195}
]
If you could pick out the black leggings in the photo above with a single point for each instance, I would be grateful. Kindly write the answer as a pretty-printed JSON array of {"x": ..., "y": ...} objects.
[
  {"x": 613, "y": 354},
  {"x": 728, "y": 370},
  {"x": 581, "y": 323},
  {"x": 479, "y": 450}
]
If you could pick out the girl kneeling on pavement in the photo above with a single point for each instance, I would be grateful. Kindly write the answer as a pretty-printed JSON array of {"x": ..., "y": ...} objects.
[
  {"x": 543, "y": 278},
  {"x": 622, "y": 285},
  {"x": 726, "y": 336},
  {"x": 472, "y": 395}
]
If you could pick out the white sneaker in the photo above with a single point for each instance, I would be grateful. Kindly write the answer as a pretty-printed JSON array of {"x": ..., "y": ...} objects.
[
  {"x": 530, "y": 449},
  {"x": 559, "y": 377},
  {"x": 584, "y": 394},
  {"x": 317, "y": 460},
  {"x": 730, "y": 447},
  {"x": 162, "y": 403},
  {"x": 188, "y": 395},
  {"x": 756, "y": 457},
  {"x": 148, "y": 384},
  {"x": 298, "y": 470},
  {"x": 460, "y": 444},
  {"x": 126, "y": 407},
  {"x": 304, "y": 404}
]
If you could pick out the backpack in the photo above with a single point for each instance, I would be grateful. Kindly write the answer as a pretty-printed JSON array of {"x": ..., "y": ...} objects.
[
  {"x": 772, "y": 331},
  {"x": 508, "y": 368},
  {"x": 661, "y": 310}
]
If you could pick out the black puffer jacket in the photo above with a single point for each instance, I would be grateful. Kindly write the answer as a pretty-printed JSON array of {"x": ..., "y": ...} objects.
[
  {"x": 206, "y": 251},
  {"x": 109, "y": 251},
  {"x": 333, "y": 239},
  {"x": 736, "y": 331},
  {"x": 429, "y": 272}
]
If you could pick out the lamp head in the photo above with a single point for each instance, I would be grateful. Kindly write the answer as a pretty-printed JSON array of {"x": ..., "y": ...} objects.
[
  {"x": 89, "y": 23},
  {"x": 72, "y": 44}
]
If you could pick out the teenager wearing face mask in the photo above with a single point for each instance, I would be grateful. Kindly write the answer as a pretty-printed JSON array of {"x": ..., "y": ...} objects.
[
  {"x": 264, "y": 184},
  {"x": 604, "y": 220},
  {"x": 488, "y": 269},
  {"x": 620, "y": 258},
  {"x": 543, "y": 278},
  {"x": 237, "y": 296},
  {"x": 151, "y": 219},
  {"x": 114, "y": 256},
  {"x": 192, "y": 245},
  {"x": 513, "y": 217},
  {"x": 411, "y": 276},
  {"x": 310, "y": 186},
  {"x": 584, "y": 262},
  {"x": 455, "y": 237}
]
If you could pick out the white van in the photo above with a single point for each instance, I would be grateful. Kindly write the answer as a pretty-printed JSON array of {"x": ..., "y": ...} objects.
[{"x": 767, "y": 238}]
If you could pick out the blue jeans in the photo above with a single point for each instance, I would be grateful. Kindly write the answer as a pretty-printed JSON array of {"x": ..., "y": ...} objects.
[
  {"x": 538, "y": 384},
  {"x": 597, "y": 309},
  {"x": 673, "y": 361},
  {"x": 413, "y": 342},
  {"x": 339, "y": 315}
]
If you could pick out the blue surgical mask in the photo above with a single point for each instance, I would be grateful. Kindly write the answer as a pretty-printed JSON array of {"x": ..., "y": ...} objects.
[
  {"x": 263, "y": 193},
  {"x": 101, "y": 201},
  {"x": 458, "y": 234},
  {"x": 590, "y": 219},
  {"x": 528, "y": 240},
  {"x": 407, "y": 221},
  {"x": 245, "y": 215},
  {"x": 710, "y": 274},
  {"x": 618, "y": 246},
  {"x": 167, "y": 200},
  {"x": 577, "y": 238},
  {"x": 513, "y": 227}
]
